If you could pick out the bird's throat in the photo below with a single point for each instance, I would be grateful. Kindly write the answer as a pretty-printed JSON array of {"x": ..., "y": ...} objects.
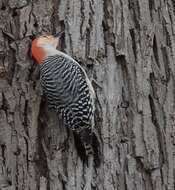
[{"x": 38, "y": 53}]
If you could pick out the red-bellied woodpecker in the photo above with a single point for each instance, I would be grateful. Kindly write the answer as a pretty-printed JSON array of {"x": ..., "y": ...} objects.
[{"x": 68, "y": 90}]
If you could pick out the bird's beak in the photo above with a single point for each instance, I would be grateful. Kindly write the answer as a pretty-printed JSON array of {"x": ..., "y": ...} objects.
[{"x": 59, "y": 34}]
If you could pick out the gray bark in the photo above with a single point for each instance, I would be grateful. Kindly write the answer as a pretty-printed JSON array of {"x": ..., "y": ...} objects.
[{"x": 128, "y": 48}]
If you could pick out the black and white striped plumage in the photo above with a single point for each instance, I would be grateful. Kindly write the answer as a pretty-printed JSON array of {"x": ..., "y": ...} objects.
[{"x": 70, "y": 93}]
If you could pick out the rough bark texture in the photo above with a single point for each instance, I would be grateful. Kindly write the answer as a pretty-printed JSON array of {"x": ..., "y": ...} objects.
[{"x": 128, "y": 48}]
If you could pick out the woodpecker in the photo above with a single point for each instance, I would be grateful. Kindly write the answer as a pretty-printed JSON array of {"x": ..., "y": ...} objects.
[{"x": 68, "y": 91}]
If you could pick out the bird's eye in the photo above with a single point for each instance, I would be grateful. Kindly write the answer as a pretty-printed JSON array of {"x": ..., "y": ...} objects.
[{"x": 45, "y": 36}]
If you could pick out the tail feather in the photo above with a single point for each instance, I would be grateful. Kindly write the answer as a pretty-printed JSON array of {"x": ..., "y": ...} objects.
[
  {"x": 96, "y": 149},
  {"x": 79, "y": 147},
  {"x": 87, "y": 143},
  {"x": 88, "y": 149}
]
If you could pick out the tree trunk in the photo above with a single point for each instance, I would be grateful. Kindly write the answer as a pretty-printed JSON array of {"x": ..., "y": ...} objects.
[{"x": 128, "y": 50}]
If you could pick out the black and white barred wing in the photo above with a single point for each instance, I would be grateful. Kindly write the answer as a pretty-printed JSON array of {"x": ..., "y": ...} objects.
[{"x": 66, "y": 87}]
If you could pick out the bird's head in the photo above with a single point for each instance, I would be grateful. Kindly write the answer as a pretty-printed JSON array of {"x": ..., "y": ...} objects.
[{"x": 43, "y": 45}]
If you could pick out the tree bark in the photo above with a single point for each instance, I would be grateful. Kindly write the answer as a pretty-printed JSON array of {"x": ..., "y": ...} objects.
[{"x": 128, "y": 50}]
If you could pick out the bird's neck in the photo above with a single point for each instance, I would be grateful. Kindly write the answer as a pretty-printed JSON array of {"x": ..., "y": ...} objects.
[
  {"x": 41, "y": 53},
  {"x": 51, "y": 51}
]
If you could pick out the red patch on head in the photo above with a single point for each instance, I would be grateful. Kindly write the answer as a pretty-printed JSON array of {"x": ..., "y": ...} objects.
[{"x": 37, "y": 52}]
